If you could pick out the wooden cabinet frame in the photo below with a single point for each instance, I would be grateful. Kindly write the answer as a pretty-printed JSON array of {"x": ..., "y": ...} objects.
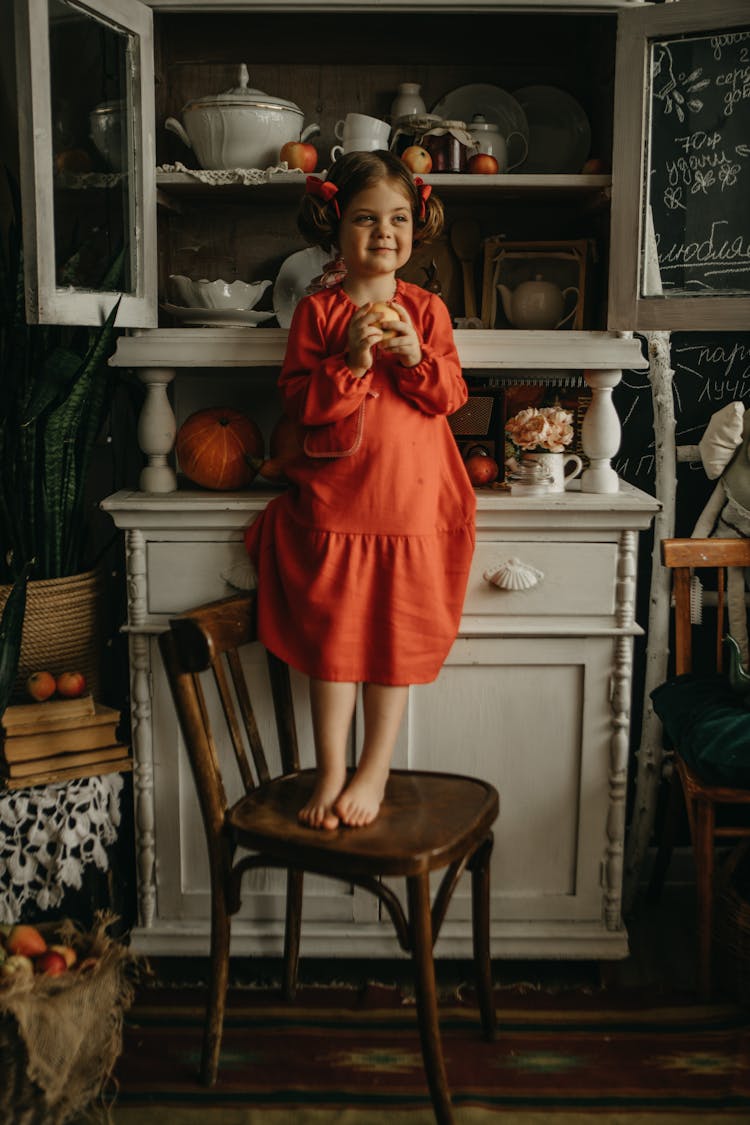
[
  {"x": 628, "y": 308},
  {"x": 47, "y": 302}
]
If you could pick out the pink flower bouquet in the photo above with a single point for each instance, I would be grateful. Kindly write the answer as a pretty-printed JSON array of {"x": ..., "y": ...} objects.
[{"x": 546, "y": 429}]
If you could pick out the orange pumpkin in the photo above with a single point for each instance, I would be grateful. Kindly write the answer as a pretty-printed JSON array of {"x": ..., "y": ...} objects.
[{"x": 219, "y": 448}]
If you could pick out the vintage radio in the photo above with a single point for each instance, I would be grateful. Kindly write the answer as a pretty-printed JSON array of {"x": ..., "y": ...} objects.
[{"x": 481, "y": 420}]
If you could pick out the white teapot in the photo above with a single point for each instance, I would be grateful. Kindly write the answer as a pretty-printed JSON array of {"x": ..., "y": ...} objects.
[{"x": 537, "y": 303}]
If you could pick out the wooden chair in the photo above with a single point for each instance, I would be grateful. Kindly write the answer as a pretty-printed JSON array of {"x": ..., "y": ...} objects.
[
  {"x": 428, "y": 822},
  {"x": 702, "y": 799}
]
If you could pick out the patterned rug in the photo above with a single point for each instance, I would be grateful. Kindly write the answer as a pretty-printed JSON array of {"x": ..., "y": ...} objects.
[{"x": 340, "y": 1056}]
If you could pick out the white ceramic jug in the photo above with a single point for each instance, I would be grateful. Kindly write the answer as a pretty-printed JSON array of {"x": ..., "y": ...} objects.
[
  {"x": 488, "y": 138},
  {"x": 408, "y": 102}
]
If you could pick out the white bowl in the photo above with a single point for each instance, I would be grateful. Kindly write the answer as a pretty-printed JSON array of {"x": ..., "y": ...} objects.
[{"x": 217, "y": 294}]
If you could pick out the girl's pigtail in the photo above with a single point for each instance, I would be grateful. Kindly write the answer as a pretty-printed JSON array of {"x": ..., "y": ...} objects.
[
  {"x": 428, "y": 224},
  {"x": 319, "y": 212}
]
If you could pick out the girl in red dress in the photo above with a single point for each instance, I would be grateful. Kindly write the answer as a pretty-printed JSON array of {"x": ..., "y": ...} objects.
[{"x": 363, "y": 563}]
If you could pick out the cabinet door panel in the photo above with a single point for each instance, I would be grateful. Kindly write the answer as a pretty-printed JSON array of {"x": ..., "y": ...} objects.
[
  {"x": 180, "y": 850},
  {"x": 86, "y": 141},
  {"x": 533, "y": 718}
]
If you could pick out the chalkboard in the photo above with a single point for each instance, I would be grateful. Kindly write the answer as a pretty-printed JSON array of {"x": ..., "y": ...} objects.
[
  {"x": 710, "y": 370},
  {"x": 699, "y": 163}
]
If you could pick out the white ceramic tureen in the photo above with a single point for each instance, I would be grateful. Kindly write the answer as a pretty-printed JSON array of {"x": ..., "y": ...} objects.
[{"x": 242, "y": 128}]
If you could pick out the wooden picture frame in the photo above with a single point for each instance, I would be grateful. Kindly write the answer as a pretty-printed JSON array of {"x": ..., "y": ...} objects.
[{"x": 566, "y": 263}]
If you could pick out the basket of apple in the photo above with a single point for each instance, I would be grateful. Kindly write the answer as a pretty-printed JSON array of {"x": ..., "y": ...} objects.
[{"x": 63, "y": 995}]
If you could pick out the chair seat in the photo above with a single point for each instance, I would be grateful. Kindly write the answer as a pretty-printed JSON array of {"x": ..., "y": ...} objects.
[
  {"x": 424, "y": 824},
  {"x": 709, "y": 728}
]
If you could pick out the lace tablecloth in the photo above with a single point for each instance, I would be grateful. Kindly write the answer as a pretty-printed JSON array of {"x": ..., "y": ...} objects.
[
  {"x": 48, "y": 835},
  {"x": 220, "y": 176}
]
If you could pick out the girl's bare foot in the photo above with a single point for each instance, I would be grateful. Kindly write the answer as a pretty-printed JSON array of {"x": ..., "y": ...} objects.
[
  {"x": 360, "y": 802},
  {"x": 319, "y": 811}
]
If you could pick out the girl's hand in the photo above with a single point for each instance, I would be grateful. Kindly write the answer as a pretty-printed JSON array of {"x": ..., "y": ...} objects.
[
  {"x": 405, "y": 345},
  {"x": 362, "y": 337}
]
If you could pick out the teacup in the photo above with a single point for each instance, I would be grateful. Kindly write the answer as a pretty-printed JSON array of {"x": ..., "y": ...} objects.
[
  {"x": 559, "y": 468},
  {"x": 359, "y": 133}
]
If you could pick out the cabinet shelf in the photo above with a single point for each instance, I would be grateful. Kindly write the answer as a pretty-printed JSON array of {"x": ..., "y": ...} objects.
[
  {"x": 496, "y": 349},
  {"x": 282, "y": 185}
]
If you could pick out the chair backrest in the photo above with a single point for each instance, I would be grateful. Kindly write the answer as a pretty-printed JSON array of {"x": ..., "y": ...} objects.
[
  {"x": 684, "y": 555},
  {"x": 209, "y": 638}
]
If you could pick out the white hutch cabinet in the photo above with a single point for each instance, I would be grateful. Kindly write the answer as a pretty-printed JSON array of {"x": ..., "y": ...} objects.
[{"x": 535, "y": 694}]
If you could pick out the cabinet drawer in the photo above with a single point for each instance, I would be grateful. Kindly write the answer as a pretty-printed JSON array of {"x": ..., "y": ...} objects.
[
  {"x": 184, "y": 575},
  {"x": 577, "y": 579}
]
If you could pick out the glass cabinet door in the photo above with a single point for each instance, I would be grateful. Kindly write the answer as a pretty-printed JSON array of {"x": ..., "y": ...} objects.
[
  {"x": 86, "y": 136},
  {"x": 680, "y": 249}
]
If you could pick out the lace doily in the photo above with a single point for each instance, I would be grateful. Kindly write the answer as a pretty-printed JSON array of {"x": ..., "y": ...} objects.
[
  {"x": 220, "y": 176},
  {"x": 48, "y": 835}
]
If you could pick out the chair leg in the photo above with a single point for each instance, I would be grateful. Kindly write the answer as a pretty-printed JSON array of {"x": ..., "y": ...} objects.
[
  {"x": 480, "y": 924},
  {"x": 420, "y": 924},
  {"x": 217, "y": 993},
  {"x": 292, "y": 931},
  {"x": 703, "y": 852},
  {"x": 666, "y": 841}
]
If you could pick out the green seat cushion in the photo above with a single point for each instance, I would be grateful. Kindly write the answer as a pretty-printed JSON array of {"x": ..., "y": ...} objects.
[{"x": 708, "y": 726}]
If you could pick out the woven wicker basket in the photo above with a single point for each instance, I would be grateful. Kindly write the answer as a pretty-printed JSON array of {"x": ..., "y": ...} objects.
[
  {"x": 62, "y": 627},
  {"x": 96, "y": 999},
  {"x": 732, "y": 924}
]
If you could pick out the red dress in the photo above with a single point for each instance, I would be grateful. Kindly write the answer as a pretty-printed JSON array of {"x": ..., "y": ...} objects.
[{"x": 363, "y": 563}]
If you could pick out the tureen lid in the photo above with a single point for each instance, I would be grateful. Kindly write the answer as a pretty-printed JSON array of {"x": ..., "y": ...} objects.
[
  {"x": 109, "y": 107},
  {"x": 244, "y": 95}
]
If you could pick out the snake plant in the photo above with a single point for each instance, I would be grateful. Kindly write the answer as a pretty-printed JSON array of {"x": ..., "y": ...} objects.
[
  {"x": 55, "y": 392},
  {"x": 11, "y": 624}
]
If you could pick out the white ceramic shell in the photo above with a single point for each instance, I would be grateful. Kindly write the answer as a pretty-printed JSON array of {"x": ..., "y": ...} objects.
[
  {"x": 514, "y": 574},
  {"x": 242, "y": 128},
  {"x": 218, "y": 294}
]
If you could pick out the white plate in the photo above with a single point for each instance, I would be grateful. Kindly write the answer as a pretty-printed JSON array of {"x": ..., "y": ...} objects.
[
  {"x": 296, "y": 273},
  {"x": 559, "y": 131},
  {"x": 496, "y": 104},
  {"x": 234, "y": 318}
]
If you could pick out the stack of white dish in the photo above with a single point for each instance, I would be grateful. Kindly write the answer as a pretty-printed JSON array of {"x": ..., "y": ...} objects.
[{"x": 206, "y": 302}]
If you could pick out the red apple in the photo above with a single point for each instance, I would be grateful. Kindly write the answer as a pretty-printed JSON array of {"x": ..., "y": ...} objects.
[
  {"x": 71, "y": 684},
  {"x": 483, "y": 163},
  {"x": 594, "y": 166},
  {"x": 482, "y": 468},
  {"x": 41, "y": 685},
  {"x": 25, "y": 940},
  {"x": 299, "y": 155},
  {"x": 285, "y": 445},
  {"x": 68, "y": 954},
  {"x": 417, "y": 159},
  {"x": 51, "y": 963}
]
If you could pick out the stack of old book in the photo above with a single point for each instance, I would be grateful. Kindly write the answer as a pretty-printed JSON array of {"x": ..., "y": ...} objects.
[{"x": 58, "y": 740}]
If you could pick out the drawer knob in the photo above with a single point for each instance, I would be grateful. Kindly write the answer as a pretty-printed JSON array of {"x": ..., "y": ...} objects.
[
  {"x": 514, "y": 574},
  {"x": 240, "y": 575}
]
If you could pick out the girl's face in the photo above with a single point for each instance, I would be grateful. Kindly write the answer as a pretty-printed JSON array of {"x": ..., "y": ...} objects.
[{"x": 376, "y": 231}]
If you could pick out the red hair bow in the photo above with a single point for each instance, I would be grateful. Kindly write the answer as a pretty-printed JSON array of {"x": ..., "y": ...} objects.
[
  {"x": 424, "y": 191},
  {"x": 324, "y": 190}
]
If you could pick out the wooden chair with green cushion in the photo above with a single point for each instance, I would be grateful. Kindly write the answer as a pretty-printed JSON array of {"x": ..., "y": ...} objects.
[
  {"x": 707, "y": 724},
  {"x": 428, "y": 822}
]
